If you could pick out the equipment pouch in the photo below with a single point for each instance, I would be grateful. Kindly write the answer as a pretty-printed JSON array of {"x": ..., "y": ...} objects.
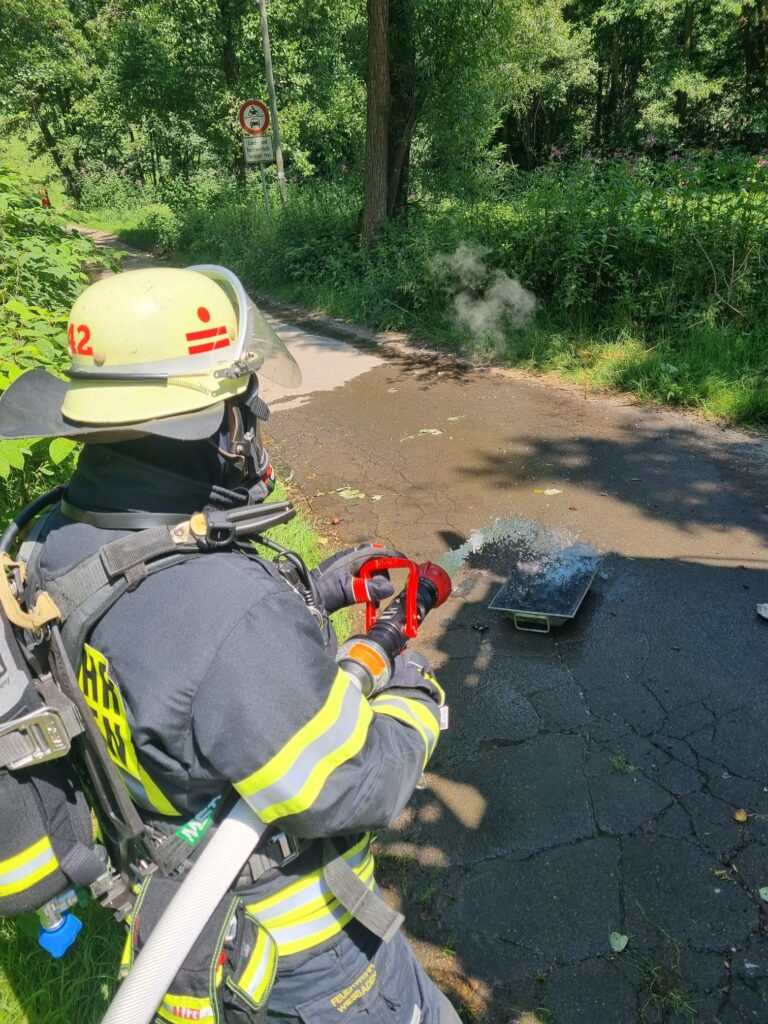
[
  {"x": 228, "y": 974},
  {"x": 46, "y": 828}
]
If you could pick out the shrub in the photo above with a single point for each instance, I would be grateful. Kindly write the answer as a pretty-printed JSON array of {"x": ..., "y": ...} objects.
[{"x": 41, "y": 273}]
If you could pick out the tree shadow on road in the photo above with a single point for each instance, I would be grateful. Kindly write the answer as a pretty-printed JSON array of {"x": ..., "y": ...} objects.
[{"x": 650, "y": 465}]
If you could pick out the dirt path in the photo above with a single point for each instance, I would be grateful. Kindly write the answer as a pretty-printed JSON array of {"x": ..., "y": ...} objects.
[{"x": 590, "y": 777}]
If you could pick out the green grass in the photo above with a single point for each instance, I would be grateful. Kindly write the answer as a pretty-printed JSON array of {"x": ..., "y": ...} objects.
[
  {"x": 34, "y": 989},
  {"x": 663, "y": 991}
]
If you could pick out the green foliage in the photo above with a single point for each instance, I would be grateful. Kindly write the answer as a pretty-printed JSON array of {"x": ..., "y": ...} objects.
[
  {"x": 649, "y": 276},
  {"x": 41, "y": 273}
]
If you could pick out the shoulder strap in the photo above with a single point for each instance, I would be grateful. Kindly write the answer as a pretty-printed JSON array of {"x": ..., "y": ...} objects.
[{"x": 86, "y": 592}]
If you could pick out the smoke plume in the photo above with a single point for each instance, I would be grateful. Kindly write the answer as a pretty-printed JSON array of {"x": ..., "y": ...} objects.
[{"x": 483, "y": 299}]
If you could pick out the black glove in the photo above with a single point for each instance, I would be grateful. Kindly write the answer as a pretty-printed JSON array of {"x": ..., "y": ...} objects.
[
  {"x": 413, "y": 672},
  {"x": 338, "y": 585}
]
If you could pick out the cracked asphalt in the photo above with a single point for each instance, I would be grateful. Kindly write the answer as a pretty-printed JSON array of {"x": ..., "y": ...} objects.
[{"x": 589, "y": 779}]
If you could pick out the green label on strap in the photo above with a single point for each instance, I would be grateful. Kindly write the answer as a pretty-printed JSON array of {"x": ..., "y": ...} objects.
[{"x": 194, "y": 830}]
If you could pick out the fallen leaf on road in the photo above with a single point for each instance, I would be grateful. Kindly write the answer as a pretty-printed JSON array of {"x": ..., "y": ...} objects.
[
  {"x": 762, "y": 611},
  {"x": 376, "y": 497},
  {"x": 335, "y": 521},
  {"x": 430, "y": 430},
  {"x": 618, "y": 942},
  {"x": 572, "y": 508},
  {"x": 319, "y": 494},
  {"x": 740, "y": 815},
  {"x": 764, "y": 893},
  {"x": 453, "y": 419},
  {"x": 391, "y": 391},
  {"x": 552, "y": 490},
  {"x": 350, "y": 492}
]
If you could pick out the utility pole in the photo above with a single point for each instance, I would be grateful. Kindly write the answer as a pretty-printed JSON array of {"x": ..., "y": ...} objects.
[{"x": 272, "y": 98}]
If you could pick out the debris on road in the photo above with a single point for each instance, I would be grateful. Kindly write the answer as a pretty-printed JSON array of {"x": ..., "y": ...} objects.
[
  {"x": 740, "y": 815},
  {"x": 762, "y": 611},
  {"x": 618, "y": 942}
]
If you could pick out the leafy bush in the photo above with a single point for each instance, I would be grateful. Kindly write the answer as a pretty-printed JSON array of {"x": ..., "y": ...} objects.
[
  {"x": 156, "y": 227},
  {"x": 671, "y": 254},
  {"x": 41, "y": 273}
]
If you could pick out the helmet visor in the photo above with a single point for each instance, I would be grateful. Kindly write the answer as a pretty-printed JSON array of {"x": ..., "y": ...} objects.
[
  {"x": 278, "y": 364},
  {"x": 256, "y": 340}
]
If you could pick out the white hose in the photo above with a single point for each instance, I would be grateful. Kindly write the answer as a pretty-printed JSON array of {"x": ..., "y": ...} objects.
[{"x": 175, "y": 933}]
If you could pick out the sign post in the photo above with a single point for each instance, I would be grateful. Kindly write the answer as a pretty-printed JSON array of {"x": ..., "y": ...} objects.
[
  {"x": 272, "y": 97},
  {"x": 257, "y": 145}
]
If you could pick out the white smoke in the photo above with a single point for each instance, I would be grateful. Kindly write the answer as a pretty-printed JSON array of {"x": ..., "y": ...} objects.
[{"x": 483, "y": 300}]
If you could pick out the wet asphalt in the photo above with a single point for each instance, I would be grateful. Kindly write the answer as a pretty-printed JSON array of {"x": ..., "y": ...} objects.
[{"x": 589, "y": 780}]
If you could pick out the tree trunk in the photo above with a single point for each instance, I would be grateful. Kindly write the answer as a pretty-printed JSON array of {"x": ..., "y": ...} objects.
[
  {"x": 681, "y": 102},
  {"x": 754, "y": 23},
  {"x": 73, "y": 185},
  {"x": 376, "y": 136},
  {"x": 228, "y": 20},
  {"x": 599, "y": 110},
  {"x": 403, "y": 110},
  {"x": 228, "y": 41}
]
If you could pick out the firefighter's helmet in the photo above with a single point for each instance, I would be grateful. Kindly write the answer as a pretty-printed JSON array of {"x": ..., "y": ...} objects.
[{"x": 155, "y": 351}]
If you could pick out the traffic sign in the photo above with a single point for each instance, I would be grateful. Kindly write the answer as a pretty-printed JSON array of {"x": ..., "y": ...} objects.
[
  {"x": 259, "y": 150},
  {"x": 254, "y": 117}
]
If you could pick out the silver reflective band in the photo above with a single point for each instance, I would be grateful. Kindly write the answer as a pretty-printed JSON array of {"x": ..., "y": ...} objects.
[
  {"x": 33, "y": 739},
  {"x": 167, "y": 369}
]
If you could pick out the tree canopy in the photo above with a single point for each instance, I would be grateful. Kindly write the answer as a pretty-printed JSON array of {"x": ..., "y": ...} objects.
[{"x": 150, "y": 89}]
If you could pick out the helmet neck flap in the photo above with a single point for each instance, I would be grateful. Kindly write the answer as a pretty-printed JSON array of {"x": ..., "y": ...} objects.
[{"x": 158, "y": 481}]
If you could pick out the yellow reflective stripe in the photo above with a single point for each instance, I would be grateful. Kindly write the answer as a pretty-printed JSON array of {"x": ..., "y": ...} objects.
[
  {"x": 20, "y": 859},
  {"x": 275, "y": 768},
  {"x": 277, "y": 774},
  {"x": 28, "y": 867},
  {"x": 305, "y": 935},
  {"x": 257, "y": 978},
  {"x": 302, "y": 945},
  {"x": 126, "y": 957},
  {"x": 413, "y": 713},
  {"x": 303, "y": 884},
  {"x": 306, "y": 913},
  {"x": 315, "y": 907},
  {"x": 156, "y": 797},
  {"x": 431, "y": 679},
  {"x": 180, "y": 1009}
]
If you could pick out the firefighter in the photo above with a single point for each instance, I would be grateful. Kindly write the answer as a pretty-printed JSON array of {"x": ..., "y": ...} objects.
[{"x": 213, "y": 674}]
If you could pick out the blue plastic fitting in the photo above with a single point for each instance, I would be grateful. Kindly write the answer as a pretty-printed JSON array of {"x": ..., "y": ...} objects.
[{"x": 58, "y": 940}]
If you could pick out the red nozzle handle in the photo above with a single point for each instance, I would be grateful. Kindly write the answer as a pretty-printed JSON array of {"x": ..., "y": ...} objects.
[{"x": 411, "y": 626}]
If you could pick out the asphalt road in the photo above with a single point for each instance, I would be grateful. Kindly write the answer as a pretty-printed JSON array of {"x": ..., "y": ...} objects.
[{"x": 590, "y": 777}]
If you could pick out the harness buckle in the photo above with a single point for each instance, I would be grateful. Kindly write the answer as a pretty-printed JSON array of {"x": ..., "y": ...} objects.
[
  {"x": 33, "y": 739},
  {"x": 290, "y": 847}
]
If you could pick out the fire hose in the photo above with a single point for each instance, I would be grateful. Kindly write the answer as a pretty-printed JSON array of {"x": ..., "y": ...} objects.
[{"x": 368, "y": 658}]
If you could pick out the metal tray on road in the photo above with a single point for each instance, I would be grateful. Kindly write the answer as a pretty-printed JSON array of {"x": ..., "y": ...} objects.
[{"x": 550, "y": 598}]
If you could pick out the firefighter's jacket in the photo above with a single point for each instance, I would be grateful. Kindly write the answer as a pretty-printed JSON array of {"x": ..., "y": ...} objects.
[{"x": 212, "y": 674}]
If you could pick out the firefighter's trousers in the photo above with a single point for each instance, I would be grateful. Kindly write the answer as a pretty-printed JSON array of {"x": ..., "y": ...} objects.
[{"x": 361, "y": 980}]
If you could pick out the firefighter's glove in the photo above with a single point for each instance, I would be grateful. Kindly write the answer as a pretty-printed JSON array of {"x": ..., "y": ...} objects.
[
  {"x": 339, "y": 587},
  {"x": 413, "y": 672}
]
